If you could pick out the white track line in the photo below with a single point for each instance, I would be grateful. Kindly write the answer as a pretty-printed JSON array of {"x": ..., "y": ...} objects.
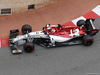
[
  {"x": 97, "y": 10},
  {"x": 80, "y": 18}
]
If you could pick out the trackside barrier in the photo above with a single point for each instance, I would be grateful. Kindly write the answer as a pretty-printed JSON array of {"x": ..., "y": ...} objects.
[{"x": 4, "y": 42}]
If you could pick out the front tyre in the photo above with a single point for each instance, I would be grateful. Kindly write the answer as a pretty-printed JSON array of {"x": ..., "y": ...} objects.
[
  {"x": 88, "y": 40},
  {"x": 26, "y": 29},
  {"x": 29, "y": 47}
]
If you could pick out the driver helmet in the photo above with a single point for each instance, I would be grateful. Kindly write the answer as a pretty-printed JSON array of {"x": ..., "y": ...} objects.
[{"x": 47, "y": 25}]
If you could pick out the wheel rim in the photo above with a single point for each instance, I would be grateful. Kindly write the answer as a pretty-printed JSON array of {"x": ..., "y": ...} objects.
[
  {"x": 29, "y": 49},
  {"x": 26, "y": 30},
  {"x": 88, "y": 42}
]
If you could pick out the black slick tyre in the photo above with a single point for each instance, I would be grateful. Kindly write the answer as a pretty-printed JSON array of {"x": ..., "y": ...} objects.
[
  {"x": 88, "y": 40},
  {"x": 26, "y": 29},
  {"x": 29, "y": 47},
  {"x": 80, "y": 23}
]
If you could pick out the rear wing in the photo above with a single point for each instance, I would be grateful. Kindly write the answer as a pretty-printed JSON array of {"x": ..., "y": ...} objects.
[
  {"x": 91, "y": 21},
  {"x": 90, "y": 27}
]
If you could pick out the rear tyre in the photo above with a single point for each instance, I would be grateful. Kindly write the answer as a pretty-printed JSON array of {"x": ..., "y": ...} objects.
[
  {"x": 80, "y": 23},
  {"x": 26, "y": 29},
  {"x": 29, "y": 47},
  {"x": 88, "y": 40}
]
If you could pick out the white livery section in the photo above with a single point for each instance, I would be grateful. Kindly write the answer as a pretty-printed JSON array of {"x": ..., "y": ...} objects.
[
  {"x": 20, "y": 37},
  {"x": 59, "y": 38},
  {"x": 40, "y": 34},
  {"x": 37, "y": 34}
]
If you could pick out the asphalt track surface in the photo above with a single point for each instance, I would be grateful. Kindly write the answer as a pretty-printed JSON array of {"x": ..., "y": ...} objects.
[{"x": 67, "y": 60}]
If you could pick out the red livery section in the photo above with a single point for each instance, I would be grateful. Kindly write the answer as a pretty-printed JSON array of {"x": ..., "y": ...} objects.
[{"x": 66, "y": 31}]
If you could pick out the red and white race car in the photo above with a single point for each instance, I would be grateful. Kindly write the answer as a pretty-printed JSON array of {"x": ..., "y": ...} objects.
[{"x": 53, "y": 35}]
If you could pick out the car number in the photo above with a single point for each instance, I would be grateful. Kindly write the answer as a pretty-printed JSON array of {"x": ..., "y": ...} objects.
[{"x": 74, "y": 32}]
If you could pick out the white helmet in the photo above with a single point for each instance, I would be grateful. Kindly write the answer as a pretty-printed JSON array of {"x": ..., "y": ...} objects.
[{"x": 47, "y": 25}]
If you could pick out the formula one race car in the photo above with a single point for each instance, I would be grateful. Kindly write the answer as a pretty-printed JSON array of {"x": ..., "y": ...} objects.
[{"x": 53, "y": 35}]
